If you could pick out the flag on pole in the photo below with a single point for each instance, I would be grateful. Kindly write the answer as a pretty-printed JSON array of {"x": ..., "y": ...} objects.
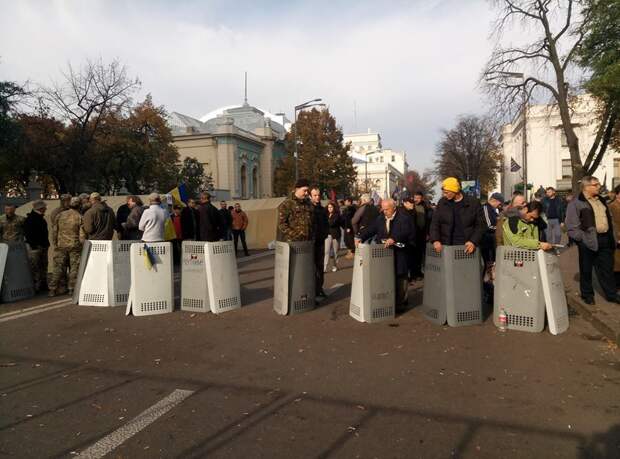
[
  {"x": 514, "y": 166},
  {"x": 179, "y": 195}
]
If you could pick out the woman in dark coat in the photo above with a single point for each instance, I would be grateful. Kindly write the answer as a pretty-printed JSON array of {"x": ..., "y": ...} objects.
[{"x": 332, "y": 242}]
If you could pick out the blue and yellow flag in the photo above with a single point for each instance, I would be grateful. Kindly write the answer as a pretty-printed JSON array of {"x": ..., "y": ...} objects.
[
  {"x": 149, "y": 259},
  {"x": 179, "y": 195}
]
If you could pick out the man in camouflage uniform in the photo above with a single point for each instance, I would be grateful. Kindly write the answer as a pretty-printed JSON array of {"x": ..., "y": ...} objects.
[
  {"x": 11, "y": 225},
  {"x": 67, "y": 246},
  {"x": 295, "y": 215},
  {"x": 65, "y": 199}
]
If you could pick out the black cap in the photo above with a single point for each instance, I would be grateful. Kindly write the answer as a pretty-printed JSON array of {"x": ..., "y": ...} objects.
[{"x": 302, "y": 182}]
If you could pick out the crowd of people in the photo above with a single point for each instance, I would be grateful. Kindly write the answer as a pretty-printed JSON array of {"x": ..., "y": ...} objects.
[
  {"x": 590, "y": 221},
  {"x": 89, "y": 217},
  {"x": 458, "y": 219}
]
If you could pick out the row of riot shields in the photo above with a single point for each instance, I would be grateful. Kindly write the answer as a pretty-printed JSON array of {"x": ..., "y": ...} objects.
[
  {"x": 528, "y": 287},
  {"x": 140, "y": 275}
]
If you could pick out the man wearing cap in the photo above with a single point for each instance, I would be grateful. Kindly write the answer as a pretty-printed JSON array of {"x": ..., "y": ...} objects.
[
  {"x": 63, "y": 205},
  {"x": 67, "y": 238},
  {"x": 11, "y": 225},
  {"x": 209, "y": 222},
  {"x": 295, "y": 215},
  {"x": 37, "y": 238},
  {"x": 457, "y": 220},
  {"x": 491, "y": 211},
  {"x": 153, "y": 220},
  {"x": 99, "y": 220}
]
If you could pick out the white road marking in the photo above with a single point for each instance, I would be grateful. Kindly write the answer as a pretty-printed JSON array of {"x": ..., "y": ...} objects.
[
  {"x": 34, "y": 310},
  {"x": 44, "y": 305},
  {"x": 143, "y": 420}
]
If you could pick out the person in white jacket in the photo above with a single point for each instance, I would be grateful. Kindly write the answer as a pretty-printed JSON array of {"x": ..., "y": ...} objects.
[{"x": 153, "y": 220}]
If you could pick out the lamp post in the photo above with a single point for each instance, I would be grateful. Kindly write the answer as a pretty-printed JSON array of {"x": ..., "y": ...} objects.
[
  {"x": 310, "y": 103},
  {"x": 524, "y": 111}
]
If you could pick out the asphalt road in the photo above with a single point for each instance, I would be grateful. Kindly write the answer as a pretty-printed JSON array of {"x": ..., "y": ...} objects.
[{"x": 249, "y": 383}]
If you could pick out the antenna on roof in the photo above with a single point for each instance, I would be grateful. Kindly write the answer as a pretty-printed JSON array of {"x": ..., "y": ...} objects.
[{"x": 245, "y": 98}]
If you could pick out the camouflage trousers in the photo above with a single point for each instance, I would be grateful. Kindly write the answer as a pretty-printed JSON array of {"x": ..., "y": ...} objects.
[
  {"x": 38, "y": 267},
  {"x": 65, "y": 259}
]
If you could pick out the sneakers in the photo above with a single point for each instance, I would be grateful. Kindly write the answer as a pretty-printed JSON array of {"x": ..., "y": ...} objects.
[
  {"x": 334, "y": 269},
  {"x": 51, "y": 293}
]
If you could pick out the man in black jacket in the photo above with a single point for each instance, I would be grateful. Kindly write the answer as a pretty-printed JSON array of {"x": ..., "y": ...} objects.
[
  {"x": 394, "y": 228},
  {"x": 189, "y": 221},
  {"x": 209, "y": 223},
  {"x": 457, "y": 220},
  {"x": 37, "y": 237},
  {"x": 226, "y": 219},
  {"x": 349, "y": 237},
  {"x": 321, "y": 231}
]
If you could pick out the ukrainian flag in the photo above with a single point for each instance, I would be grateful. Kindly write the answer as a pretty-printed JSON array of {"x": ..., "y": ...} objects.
[
  {"x": 149, "y": 259},
  {"x": 179, "y": 195}
]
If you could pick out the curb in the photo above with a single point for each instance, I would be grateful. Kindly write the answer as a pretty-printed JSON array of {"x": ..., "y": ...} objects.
[{"x": 585, "y": 311}]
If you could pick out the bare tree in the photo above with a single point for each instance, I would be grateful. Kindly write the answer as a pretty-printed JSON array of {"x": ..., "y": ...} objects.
[
  {"x": 557, "y": 28},
  {"x": 82, "y": 100},
  {"x": 469, "y": 151}
]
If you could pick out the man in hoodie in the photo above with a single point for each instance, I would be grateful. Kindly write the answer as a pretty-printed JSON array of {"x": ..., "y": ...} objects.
[
  {"x": 37, "y": 237},
  {"x": 99, "y": 220}
]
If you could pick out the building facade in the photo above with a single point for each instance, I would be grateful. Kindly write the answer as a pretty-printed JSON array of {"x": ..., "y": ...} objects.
[
  {"x": 379, "y": 170},
  {"x": 548, "y": 158},
  {"x": 238, "y": 145}
]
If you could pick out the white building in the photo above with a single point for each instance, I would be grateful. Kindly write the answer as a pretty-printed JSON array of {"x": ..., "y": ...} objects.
[
  {"x": 548, "y": 158},
  {"x": 378, "y": 169}
]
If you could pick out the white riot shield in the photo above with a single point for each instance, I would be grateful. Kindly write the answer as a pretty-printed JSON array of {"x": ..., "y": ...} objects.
[
  {"x": 105, "y": 278},
  {"x": 194, "y": 287},
  {"x": 464, "y": 305},
  {"x": 151, "y": 290},
  {"x": 4, "y": 251},
  {"x": 518, "y": 289},
  {"x": 17, "y": 279},
  {"x": 435, "y": 286},
  {"x": 281, "y": 276},
  {"x": 84, "y": 256},
  {"x": 373, "y": 286},
  {"x": 555, "y": 295},
  {"x": 294, "y": 280},
  {"x": 222, "y": 276}
]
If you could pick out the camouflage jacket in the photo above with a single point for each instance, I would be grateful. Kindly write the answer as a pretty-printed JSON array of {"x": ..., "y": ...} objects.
[
  {"x": 295, "y": 220},
  {"x": 66, "y": 231},
  {"x": 12, "y": 229}
]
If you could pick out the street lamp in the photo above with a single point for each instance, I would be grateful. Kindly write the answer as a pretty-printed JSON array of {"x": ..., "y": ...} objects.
[
  {"x": 310, "y": 103},
  {"x": 524, "y": 110}
]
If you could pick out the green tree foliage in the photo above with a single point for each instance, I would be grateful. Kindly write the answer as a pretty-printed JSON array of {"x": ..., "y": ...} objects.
[
  {"x": 600, "y": 53},
  {"x": 192, "y": 174},
  {"x": 469, "y": 151},
  {"x": 323, "y": 158},
  {"x": 10, "y": 132}
]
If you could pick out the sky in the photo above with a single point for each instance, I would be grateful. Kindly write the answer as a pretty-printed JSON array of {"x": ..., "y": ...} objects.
[{"x": 410, "y": 68}]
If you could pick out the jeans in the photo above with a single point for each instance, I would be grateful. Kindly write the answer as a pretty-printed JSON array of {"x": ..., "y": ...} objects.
[
  {"x": 554, "y": 231},
  {"x": 331, "y": 244},
  {"x": 240, "y": 234},
  {"x": 602, "y": 261}
]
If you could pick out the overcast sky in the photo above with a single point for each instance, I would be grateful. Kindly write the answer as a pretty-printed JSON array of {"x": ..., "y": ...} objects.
[{"x": 411, "y": 67}]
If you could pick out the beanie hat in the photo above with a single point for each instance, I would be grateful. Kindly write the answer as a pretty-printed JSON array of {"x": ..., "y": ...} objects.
[{"x": 451, "y": 184}]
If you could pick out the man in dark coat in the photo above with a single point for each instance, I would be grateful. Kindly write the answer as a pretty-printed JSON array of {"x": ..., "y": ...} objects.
[
  {"x": 457, "y": 220},
  {"x": 37, "y": 237},
  {"x": 210, "y": 223},
  {"x": 99, "y": 221},
  {"x": 189, "y": 221},
  {"x": 320, "y": 222},
  {"x": 121, "y": 217},
  {"x": 347, "y": 215},
  {"x": 398, "y": 232},
  {"x": 226, "y": 219}
]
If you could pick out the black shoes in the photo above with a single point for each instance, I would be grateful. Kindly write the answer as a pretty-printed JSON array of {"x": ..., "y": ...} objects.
[
  {"x": 614, "y": 299},
  {"x": 588, "y": 300}
]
